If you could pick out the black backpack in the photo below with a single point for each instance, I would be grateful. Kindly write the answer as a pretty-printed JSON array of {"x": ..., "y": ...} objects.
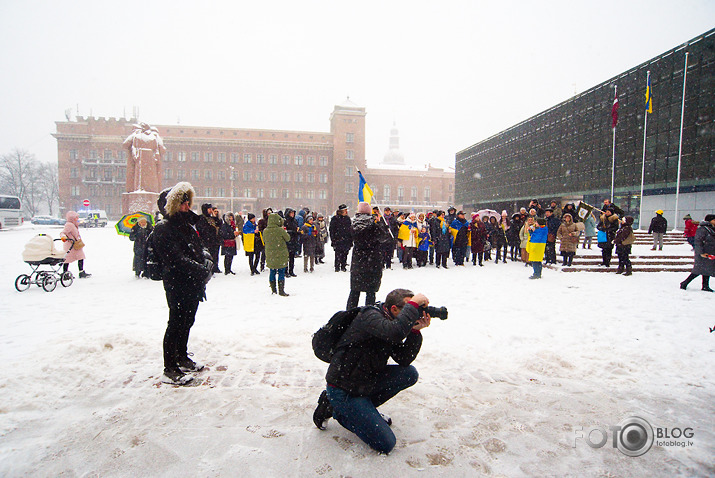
[
  {"x": 327, "y": 337},
  {"x": 154, "y": 269}
]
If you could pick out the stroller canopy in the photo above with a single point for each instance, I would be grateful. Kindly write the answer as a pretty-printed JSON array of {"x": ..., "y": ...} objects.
[{"x": 41, "y": 247}]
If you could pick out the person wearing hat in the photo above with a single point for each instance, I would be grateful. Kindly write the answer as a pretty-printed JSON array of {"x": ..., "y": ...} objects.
[
  {"x": 251, "y": 236},
  {"x": 451, "y": 215},
  {"x": 691, "y": 228},
  {"x": 623, "y": 241},
  {"x": 704, "y": 263},
  {"x": 208, "y": 228},
  {"x": 552, "y": 224},
  {"x": 340, "y": 237},
  {"x": 658, "y": 227},
  {"x": 460, "y": 231},
  {"x": 139, "y": 235},
  {"x": 388, "y": 247},
  {"x": 322, "y": 239},
  {"x": 276, "y": 240},
  {"x": 609, "y": 225},
  {"x": 186, "y": 268}
]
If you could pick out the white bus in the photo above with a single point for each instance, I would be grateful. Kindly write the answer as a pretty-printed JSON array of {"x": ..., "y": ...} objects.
[{"x": 10, "y": 211}]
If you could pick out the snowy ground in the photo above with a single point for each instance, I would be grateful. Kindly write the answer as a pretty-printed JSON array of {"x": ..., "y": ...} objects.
[{"x": 503, "y": 382}]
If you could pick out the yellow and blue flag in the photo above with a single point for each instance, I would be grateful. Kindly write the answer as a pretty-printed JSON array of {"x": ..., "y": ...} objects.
[
  {"x": 364, "y": 192},
  {"x": 648, "y": 97}
]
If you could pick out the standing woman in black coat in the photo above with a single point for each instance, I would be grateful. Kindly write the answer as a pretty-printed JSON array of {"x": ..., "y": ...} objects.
[
  {"x": 228, "y": 233},
  {"x": 341, "y": 237},
  {"x": 140, "y": 233},
  {"x": 366, "y": 264},
  {"x": 704, "y": 246},
  {"x": 294, "y": 245}
]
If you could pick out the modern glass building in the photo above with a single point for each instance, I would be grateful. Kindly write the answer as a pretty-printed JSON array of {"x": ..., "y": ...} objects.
[{"x": 565, "y": 153}]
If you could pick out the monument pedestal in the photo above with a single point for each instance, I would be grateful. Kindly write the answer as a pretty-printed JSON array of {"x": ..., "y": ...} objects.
[{"x": 144, "y": 201}]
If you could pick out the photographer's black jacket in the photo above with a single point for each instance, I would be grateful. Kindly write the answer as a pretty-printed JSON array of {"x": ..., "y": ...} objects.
[{"x": 372, "y": 338}]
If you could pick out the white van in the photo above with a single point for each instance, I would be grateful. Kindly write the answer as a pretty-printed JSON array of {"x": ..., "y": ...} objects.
[
  {"x": 92, "y": 218},
  {"x": 10, "y": 211}
]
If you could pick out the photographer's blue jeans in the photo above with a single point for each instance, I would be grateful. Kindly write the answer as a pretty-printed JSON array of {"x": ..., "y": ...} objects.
[
  {"x": 537, "y": 266},
  {"x": 281, "y": 274},
  {"x": 360, "y": 415}
]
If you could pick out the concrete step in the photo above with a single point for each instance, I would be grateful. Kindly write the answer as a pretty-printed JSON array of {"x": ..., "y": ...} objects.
[{"x": 635, "y": 269}]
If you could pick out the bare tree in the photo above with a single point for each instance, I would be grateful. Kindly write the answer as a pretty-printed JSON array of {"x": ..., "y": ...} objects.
[
  {"x": 20, "y": 176},
  {"x": 50, "y": 185}
]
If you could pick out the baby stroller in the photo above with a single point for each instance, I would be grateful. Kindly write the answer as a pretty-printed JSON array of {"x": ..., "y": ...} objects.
[{"x": 40, "y": 251}]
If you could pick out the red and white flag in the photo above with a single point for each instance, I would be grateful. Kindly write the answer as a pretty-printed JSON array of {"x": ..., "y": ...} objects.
[{"x": 614, "y": 111}]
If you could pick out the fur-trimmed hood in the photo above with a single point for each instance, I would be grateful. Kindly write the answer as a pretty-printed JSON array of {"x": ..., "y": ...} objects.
[{"x": 179, "y": 193}]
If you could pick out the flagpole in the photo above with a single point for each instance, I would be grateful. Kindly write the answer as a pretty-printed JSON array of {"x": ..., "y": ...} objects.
[
  {"x": 645, "y": 129},
  {"x": 680, "y": 142},
  {"x": 613, "y": 161}
]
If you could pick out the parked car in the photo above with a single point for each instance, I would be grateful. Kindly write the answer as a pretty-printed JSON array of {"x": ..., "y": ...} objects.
[
  {"x": 47, "y": 220},
  {"x": 93, "y": 218}
]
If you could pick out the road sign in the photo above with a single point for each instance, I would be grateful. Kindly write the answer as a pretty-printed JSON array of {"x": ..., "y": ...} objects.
[{"x": 85, "y": 203}]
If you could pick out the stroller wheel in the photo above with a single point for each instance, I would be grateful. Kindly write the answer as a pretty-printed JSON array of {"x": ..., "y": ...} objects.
[
  {"x": 49, "y": 283},
  {"x": 22, "y": 282},
  {"x": 66, "y": 279}
]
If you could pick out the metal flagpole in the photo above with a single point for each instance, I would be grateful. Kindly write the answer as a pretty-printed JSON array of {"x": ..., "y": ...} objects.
[
  {"x": 613, "y": 162},
  {"x": 645, "y": 129},
  {"x": 680, "y": 143}
]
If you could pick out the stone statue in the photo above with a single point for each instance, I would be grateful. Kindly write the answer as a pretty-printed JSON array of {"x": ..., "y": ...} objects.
[{"x": 146, "y": 149}]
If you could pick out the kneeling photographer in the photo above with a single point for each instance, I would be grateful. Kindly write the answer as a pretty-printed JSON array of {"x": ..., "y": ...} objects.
[{"x": 359, "y": 379}]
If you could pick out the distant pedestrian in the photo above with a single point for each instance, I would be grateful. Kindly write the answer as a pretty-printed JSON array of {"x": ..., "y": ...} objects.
[
  {"x": 658, "y": 227},
  {"x": 340, "y": 237},
  {"x": 73, "y": 244},
  {"x": 537, "y": 246},
  {"x": 276, "y": 243},
  {"x": 623, "y": 241},
  {"x": 704, "y": 263},
  {"x": 691, "y": 227},
  {"x": 139, "y": 235},
  {"x": 228, "y": 233}
]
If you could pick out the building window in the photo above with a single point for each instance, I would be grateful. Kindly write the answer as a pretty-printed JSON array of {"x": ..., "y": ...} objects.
[
  {"x": 285, "y": 194},
  {"x": 246, "y": 175},
  {"x": 299, "y": 194},
  {"x": 167, "y": 173},
  {"x": 298, "y": 177},
  {"x": 194, "y": 156},
  {"x": 221, "y": 174},
  {"x": 273, "y": 177},
  {"x": 234, "y": 158},
  {"x": 233, "y": 175},
  {"x": 247, "y": 193},
  {"x": 310, "y": 194},
  {"x": 451, "y": 187},
  {"x": 310, "y": 177},
  {"x": 74, "y": 191},
  {"x": 194, "y": 174},
  {"x": 247, "y": 158},
  {"x": 220, "y": 192},
  {"x": 413, "y": 193},
  {"x": 273, "y": 159},
  {"x": 428, "y": 194},
  {"x": 74, "y": 173},
  {"x": 168, "y": 156},
  {"x": 207, "y": 174},
  {"x": 349, "y": 137},
  {"x": 400, "y": 194},
  {"x": 208, "y": 157},
  {"x": 323, "y": 161},
  {"x": 349, "y": 154},
  {"x": 311, "y": 161},
  {"x": 122, "y": 155},
  {"x": 207, "y": 192},
  {"x": 386, "y": 192},
  {"x": 348, "y": 171},
  {"x": 298, "y": 160},
  {"x": 285, "y": 177},
  {"x": 259, "y": 192},
  {"x": 285, "y": 159},
  {"x": 180, "y": 174},
  {"x": 260, "y": 159},
  {"x": 322, "y": 194},
  {"x": 260, "y": 176},
  {"x": 181, "y": 157},
  {"x": 272, "y": 193},
  {"x": 221, "y": 157},
  {"x": 323, "y": 178},
  {"x": 74, "y": 154},
  {"x": 93, "y": 154},
  {"x": 349, "y": 187}
]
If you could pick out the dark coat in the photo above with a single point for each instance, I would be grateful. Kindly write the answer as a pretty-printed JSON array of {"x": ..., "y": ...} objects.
[
  {"x": 366, "y": 263},
  {"x": 309, "y": 237},
  {"x": 182, "y": 255},
  {"x": 479, "y": 235},
  {"x": 704, "y": 244},
  {"x": 512, "y": 235},
  {"x": 462, "y": 228},
  {"x": 552, "y": 225},
  {"x": 226, "y": 233},
  {"x": 139, "y": 235},
  {"x": 208, "y": 229},
  {"x": 609, "y": 225},
  {"x": 291, "y": 226},
  {"x": 340, "y": 236},
  {"x": 658, "y": 224},
  {"x": 442, "y": 238},
  {"x": 497, "y": 236},
  {"x": 364, "y": 349}
]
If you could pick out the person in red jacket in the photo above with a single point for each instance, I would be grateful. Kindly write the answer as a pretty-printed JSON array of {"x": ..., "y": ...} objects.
[{"x": 690, "y": 228}]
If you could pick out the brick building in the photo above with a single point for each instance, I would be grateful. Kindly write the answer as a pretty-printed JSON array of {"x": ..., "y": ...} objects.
[{"x": 244, "y": 169}]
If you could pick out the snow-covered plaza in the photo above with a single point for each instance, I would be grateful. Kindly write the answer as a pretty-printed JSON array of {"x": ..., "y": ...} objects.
[{"x": 508, "y": 384}]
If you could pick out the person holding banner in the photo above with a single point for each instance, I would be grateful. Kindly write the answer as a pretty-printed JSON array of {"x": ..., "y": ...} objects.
[{"x": 607, "y": 233}]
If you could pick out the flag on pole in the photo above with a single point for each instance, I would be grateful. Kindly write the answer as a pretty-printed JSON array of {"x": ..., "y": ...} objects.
[
  {"x": 364, "y": 191},
  {"x": 648, "y": 97},
  {"x": 614, "y": 111}
]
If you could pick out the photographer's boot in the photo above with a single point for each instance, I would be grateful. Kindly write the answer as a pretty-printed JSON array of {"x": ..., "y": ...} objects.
[
  {"x": 629, "y": 270},
  {"x": 273, "y": 287},
  {"x": 323, "y": 411},
  {"x": 281, "y": 288}
]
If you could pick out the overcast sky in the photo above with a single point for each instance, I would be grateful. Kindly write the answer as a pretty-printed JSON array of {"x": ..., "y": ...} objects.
[{"x": 449, "y": 73}]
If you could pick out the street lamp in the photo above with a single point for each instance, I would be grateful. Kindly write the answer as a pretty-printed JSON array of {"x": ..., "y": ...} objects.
[{"x": 231, "y": 172}]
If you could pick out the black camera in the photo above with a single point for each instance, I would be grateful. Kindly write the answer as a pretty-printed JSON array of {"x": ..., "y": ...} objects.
[{"x": 440, "y": 312}]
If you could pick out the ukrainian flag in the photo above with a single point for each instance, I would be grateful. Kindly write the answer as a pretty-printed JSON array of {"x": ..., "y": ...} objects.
[
  {"x": 648, "y": 98},
  {"x": 364, "y": 191}
]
